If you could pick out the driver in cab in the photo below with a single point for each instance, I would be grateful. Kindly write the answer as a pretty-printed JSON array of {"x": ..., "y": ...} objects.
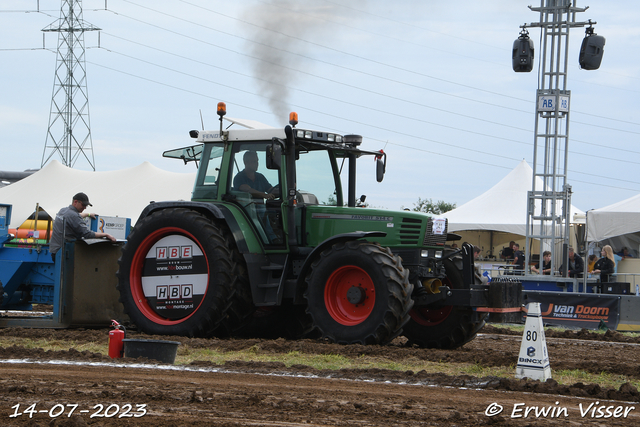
[{"x": 253, "y": 182}]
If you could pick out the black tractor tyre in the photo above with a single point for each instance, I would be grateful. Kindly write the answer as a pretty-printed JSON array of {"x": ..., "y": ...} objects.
[
  {"x": 241, "y": 310},
  {"x": 444, "y": 327},
  {"x": 178, "y": 274},
  {"x": 358, "y": 293}
]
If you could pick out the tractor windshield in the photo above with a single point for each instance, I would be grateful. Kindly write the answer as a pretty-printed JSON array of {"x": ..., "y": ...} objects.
[{"x": 316, "y": 179}]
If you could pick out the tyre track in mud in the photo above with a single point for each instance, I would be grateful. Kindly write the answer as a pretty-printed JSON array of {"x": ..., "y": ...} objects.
[
  {"x": 171, "y": 398},
  {"x": 494, "y": 347}
]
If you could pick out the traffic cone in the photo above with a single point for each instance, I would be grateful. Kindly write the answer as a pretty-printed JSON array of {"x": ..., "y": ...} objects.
[{"x": 533, "y": 361}]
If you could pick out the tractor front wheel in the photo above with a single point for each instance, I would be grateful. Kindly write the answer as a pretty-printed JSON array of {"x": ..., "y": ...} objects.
[
  {"x": 358, "y": 292},
  {"x": 443, "y": 326}
]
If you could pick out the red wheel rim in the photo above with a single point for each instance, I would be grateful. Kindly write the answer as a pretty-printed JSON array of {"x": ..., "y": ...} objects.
[
  {"x": 335, "y": 295},
  {"x": 431, "y": 316},
  {"x": 135, "y": 275}
]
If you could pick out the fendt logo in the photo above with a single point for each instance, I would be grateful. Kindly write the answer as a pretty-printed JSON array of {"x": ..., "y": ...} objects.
[{"x": 174, "y": 253}]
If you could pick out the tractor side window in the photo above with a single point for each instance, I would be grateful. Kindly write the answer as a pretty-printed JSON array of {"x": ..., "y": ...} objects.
[
  {"x": 315, "y": 180},
  {"x": 209, "y": 173}
]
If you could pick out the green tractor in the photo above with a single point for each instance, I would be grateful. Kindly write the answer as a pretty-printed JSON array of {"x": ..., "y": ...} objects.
[{"x": 269, "y": 234}]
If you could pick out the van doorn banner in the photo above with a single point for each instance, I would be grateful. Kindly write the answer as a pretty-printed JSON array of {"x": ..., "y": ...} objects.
[{"x": 582, "y": 311}]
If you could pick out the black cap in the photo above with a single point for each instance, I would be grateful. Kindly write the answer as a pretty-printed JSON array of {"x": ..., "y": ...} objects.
[{"x": 82, "y": 198}]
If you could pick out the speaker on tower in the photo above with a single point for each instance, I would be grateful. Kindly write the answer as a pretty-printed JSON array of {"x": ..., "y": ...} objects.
[
  {"x": 523, "y": 51},
  {"x": 591, "y": 50}
]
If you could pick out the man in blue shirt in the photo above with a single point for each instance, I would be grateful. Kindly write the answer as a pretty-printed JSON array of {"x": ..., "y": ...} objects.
[
  {"x": 252, "y": 181},
  {"x": 69, "y": 224}
]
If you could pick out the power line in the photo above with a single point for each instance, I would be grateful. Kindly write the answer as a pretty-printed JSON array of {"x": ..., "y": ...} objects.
[
  {"x": 323, "y": 46},
  {"x": 391, "y": 113},
  {"x": 379, "y": 62},
  {"x": 396, "y": 81},
  {"x": 421, "y": 138},
  {"x": 359, "y": 106},
  {"x": 342, "y": 101},
  {"x": 360, "y": 71}
]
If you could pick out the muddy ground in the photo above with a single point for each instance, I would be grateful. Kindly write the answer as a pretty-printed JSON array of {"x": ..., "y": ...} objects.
[{"x": 42, "y": 388}]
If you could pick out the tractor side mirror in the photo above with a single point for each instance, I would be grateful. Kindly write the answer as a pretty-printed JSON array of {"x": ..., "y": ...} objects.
[
  {"x": 379, "y": 170},
  {"x": 274, "y": 156}
]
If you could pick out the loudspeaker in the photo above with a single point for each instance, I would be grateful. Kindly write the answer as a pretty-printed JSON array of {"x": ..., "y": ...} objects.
[
  {"x": 615, "y": 288},
  {"x": 522, "y": 55},
  {"x": 591, "y": 52}
]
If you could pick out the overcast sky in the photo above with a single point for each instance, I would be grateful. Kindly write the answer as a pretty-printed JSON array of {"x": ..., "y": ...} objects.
[{"x": 428, "y": 81}]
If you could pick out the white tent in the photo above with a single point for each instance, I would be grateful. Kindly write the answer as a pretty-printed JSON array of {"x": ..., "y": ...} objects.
[
  {"x": 501, "y": 208},
  {"x": 614, "y": 220},
  {"x": 617, "y": 225},
  {"x": 124, "y": 193}
]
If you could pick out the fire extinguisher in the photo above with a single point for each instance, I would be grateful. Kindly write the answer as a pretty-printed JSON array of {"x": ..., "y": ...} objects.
[{"x": 116, "y": 346}]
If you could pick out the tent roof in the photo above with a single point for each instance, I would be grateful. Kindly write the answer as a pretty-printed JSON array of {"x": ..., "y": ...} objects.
[
  {"x": 123, "y": 193},
  {"x": 501, "y": 208},
  {"x": 614, "y": 220}
]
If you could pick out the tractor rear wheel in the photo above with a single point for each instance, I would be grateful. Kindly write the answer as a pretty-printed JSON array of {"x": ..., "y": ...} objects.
[
  {"x": 178, "y": 274},
  {"x": 358, "y": 292},
  {"x": 444, "y": 327}
]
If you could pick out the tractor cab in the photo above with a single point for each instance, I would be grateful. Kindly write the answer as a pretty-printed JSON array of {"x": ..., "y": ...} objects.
[{"x": 277, "y": 178}]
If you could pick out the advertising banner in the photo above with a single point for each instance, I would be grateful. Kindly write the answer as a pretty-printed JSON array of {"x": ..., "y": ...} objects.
[{"x": 577, "y": 310}]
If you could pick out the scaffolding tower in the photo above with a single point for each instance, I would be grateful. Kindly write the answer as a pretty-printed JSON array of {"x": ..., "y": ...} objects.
[
  {"x": 69, "y": 131},
  {"x": 549, "y": 201}
]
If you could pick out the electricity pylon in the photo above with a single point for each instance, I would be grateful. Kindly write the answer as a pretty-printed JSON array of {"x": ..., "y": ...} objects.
[{"x": 69, "y": 132}]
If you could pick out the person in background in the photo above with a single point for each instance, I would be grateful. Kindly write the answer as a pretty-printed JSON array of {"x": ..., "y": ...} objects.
[
  {"x": 507, "y": 253},
  {"x": 546, "y": 264},
  {"x": 606, "y": 265},
  {"x": 576, "y": 264},
  {"x": 518, "y": 259},
  {"x": 591, "y": 261},
  {"x": 624, "y": 253},
  {"x": 69, "y": 223}
]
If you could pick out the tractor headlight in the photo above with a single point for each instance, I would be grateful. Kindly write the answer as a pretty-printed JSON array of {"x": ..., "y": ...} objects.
[{"x": 424, "y": 253}]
